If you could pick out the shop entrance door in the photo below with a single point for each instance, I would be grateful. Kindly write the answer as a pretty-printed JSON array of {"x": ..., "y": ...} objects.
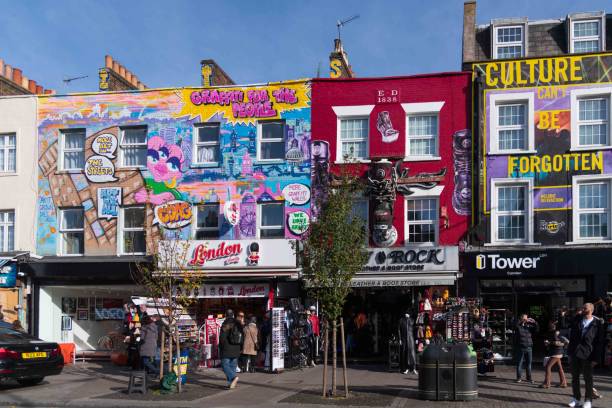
[{"x": 538, "y": 307}]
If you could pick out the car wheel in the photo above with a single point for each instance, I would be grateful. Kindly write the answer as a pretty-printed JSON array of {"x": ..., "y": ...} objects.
[{"x": 30, "y": 381}]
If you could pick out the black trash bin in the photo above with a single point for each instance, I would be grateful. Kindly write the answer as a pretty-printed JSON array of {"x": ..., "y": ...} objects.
[{"x": 448, "y": 372}]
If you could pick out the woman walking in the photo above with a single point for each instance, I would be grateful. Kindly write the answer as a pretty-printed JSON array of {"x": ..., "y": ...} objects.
[
  {"x": 251, "y": 345},
  {"x": 556, "y": 345}
]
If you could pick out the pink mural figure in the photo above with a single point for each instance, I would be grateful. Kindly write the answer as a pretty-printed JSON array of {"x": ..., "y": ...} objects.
[{"x": 164, "y": 165}]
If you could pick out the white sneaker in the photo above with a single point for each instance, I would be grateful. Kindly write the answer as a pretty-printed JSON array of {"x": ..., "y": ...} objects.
[
  {"x": 573, "y": 403},
  {"x": 587, "y": 404},
  {"x": 415, "y": 372},
  {"x": 238, "y": 370},
  {"x": 405, "y": 372}
]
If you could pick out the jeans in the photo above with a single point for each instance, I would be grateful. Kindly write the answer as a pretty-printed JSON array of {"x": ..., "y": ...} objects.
[
  {"x": 524, "y": 356},
  {"x": 585, "y": 368},
  {"x": 149, "y": 366},
  {"x": 229, "y": 368}
]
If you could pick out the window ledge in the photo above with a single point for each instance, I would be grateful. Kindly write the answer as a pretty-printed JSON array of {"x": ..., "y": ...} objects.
[
  {"x": 74, "y": 171},
  {"x": 419, "y": 244},
  {"x": 71, "y": 255},
  {"x": 3, "y": 174},
  {"x": 271, "y": 161},
  {"x": 511, "y": 243},
  {"x": 589, "y": 242},
  {"x": 204, "y": 165},
  {"x": 130, "y": 253},
  {"x": 130, "y": 168},
  {"x": 589, "y": 148},
  {"x": 357, "y": 161},
  {"x": 508, "y": 152},
  {"x": 421, "y": 158}
]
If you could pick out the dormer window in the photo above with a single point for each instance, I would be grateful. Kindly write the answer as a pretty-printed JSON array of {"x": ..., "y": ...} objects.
[
  {"x": 508, "y": 41},
  {"x": 586, "y": 36}
]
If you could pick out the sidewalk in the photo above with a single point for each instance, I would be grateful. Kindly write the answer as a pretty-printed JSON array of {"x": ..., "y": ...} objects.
[{"x": 103, "y": 385}]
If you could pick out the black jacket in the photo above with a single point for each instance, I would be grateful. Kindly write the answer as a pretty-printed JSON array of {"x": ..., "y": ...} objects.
[
  {"x": 226, "y": 349},
  {"x": 524, "y": 333},
  {"x": 556, "y": 344},
  {"x": 587, "y": 347}
]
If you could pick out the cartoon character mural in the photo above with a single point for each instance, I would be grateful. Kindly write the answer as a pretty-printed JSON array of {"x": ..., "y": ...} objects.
[{"x": 178, "y": 176}]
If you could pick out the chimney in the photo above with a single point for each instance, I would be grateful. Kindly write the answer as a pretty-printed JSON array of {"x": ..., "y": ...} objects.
[
  {"x": 469, "y": 31},
  {"x": 339, "y": 66},
  {"x": 17, "y": 76},
  {"x": 39, "y": 89},
  {"x": 32, "y": 86},
  {"x": 24, "y": 81},
  {"x": 1, "y": 67},
  {"x": 108, "y": 61}
]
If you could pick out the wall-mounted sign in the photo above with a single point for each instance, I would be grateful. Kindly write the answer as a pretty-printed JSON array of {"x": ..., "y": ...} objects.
[
  {"x": 104, "y": 77},
  {"x": 231, "y": 210},
  {"x": 385, "y": 127},
  {"x": 109, "y": 201},
  {"x": 298, "y": 222},
  {"x": 8, "y": 275},
  {"x": 232, "y": 290},
  {"x": 228, "y": 254},
  {"x": 173, "y": 214},
  {"x": 387, "y": 95},
  {"x": 296, "y": 194},
  {"x": 99, "y": 169},
  {"x": 417, "y": 259},
  {"x": 105, "y": 145}
]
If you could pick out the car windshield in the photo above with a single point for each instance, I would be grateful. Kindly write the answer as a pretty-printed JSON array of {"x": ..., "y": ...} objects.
[{"x": 7, "y": 334}]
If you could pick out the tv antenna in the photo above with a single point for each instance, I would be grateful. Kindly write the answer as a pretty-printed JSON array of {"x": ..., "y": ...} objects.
[
  {"x": 69, "y": 80},
  {"x": 342, "y": 23}
]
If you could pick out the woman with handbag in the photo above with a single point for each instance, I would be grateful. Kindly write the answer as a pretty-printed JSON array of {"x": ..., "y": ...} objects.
[
  {"x": 251, "y": 344},
  {"x": 556, "y": 345}
]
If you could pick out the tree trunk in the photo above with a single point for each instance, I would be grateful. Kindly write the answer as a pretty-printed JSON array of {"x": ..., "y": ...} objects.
[
  {"x": 334, "y": 356},
  {"x": 344, "y": 373},
  {"x": 178, "y": 360},
  {"x": 325, "y": 349},
  {"x": 161, "y": 353},
  {"x": 170, "y": 369}
]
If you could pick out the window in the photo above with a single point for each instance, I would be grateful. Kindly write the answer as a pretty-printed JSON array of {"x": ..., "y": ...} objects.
[
  {"x": 360, "y": 210},
  {"x": 508, "y": 42},
  {"x": 422, "y": 220},
  {"x": 271, "y": 140},
  {"x": 134, "y": 146},
  {"x": 72, "y": 149},
  {"x": 7, "y": 230},
  {"x": 71, "y": 231},
  {"x": 512, "y": 123},
  {"x": 207, "y": 221},
  {"x": 271, "y": 216},
  {"x": 207, "y": 144},
  {"x": 132, "y": 230},
  {"x": 422, "y": 135},
  {"x": 511, "y": 211},
  {"x": 354, "y": 138},
  {"x": 591, "y": 209},
  {"x": 586, "y": 36},
  {"x": 8, "y": 153},
  {"x": 590, "y": 118}
]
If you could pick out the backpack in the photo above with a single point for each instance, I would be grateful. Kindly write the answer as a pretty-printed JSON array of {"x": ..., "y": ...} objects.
[{"x": 235, "y": 335}]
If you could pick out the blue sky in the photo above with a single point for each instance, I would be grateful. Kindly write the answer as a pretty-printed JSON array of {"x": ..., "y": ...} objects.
[{"x": 254, "y": 41}]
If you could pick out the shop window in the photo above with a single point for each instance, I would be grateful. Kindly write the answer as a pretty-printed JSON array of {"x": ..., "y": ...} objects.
[
  {"x": 71, "y": 231},
  {"x": 354, "y": 138},
  {"x": 72, "y": 144},
  {"x": 511, "y": 212},
  {"x": 271, "y": 141},
  {"x": 270, "y": 218},
  {"x": 134, "y": 146},
  {"x": 591, "y": 209},
  {"x": 7, "y": 230},
  {"x": 512, "y": 119},
  {"x": 207, "y": 144},
  {"x": 508, "y": 42},
  {"x": 8, "y": 153},
  {"x": 132, "y": 230},
  {"x": 590, "y": 118},
  {"x": 422, "y": 220},
  {"x": 585, "y": 36},
  {"x": 207, "y": 221}
]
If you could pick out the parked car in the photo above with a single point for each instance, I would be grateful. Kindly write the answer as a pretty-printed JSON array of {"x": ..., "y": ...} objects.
[{"x": 27, "y": 359}]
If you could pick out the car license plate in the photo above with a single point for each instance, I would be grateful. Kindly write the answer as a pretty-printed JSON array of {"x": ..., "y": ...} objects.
[{"x": 38, "y": 354}]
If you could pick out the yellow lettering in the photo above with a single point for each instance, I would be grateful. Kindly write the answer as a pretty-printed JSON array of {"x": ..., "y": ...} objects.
[
  {"x": 584, "y": 162},
  {"x": 544, "y": 122},
  {"x": 524, "y": 164},
  {"x": 554, "y": 120},
  {"x": 575, "y": 67},
  {"x": 597, "y": 161},
  {"x": 511, "y": 164},
  {"x": 575, "y": 157},
  {"x": 507, "y": 73},
  {"x": 546, "y": 70},
  {"x": 334, "y": 68},
  {"x": 560, "y": 69},
  {"x": 535, "y": 164},
  {"x": 491, "y": 80},
  {"x": 519, "y": 78},
  {"x": 532, "y": 64},
  {"x": 557, "y": 163},
  {"x": 546, "y": 164}
]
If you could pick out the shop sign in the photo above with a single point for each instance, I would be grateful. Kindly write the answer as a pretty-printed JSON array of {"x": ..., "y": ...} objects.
[
  {"x": 232, "y": 290},
  {"x": 500, "y": 262},
  {"x": 109, "y": 201},
  {"x": 8, "y": 275},
  {"x": 222, "y": 254},
  {"x": 99, "y": 169},
  {"x": 368, "y": 283},
  {"x": 298, "y": 222},
  {"x": 296, "y": 194},
  {"x": 444, "y": 258},
  {"x": 173, "y": 214}
]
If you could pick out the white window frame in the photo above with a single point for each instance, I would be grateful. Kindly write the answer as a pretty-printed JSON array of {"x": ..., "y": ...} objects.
[
  {"x": 195, "y": 228},
  {"x": 600, "y": 38},
  {"x": 276, "y": 140},
  {"x": 529, "y": 218},
  {"x": 62, "y": 250},
  {"x": 433, "y": 193},
  {"x": 509, "y": 99},
  {"x": 63, "y": 149},
  {"x": 141, "y": 145},
  {"x": 522, "y": 43},
  {"x": 260, "y": 227},
  {"x": 575, "y": 96},
  {"x": 422, "y": 109},
  {"x": 121, "y": 250},
  {"x": 197, "y": 144},
  {"x": 367, "y": 216},
  {"x": 351, "y": 112},
  {"x": 585, "y": 179},
  {"x": 4, "y": 171},
  {"x": 5, "y": 226}
]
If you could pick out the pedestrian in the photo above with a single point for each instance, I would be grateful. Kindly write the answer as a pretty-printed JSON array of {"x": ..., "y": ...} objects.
[
  {"x": 18, "y": 327},
  {"x": 148, "y": 345},
  {"x": 309, "y": 332},
  {"x": 251, "y": 344},
  {"x": 241, "y": 361},
  {"x": 525, "y": 329},
  {"x": 555, "y": 344},
  {"x": 230, "y": 345},
  {"x": 584, "y": 351},
  {"x": 316, "y": 328}
]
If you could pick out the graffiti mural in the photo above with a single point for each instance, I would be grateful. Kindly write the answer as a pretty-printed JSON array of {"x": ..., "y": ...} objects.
[{"x": 169, "y": 151}]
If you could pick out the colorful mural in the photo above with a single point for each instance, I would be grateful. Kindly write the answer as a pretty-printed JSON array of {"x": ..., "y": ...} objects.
[{"x": 175, "y": 176}]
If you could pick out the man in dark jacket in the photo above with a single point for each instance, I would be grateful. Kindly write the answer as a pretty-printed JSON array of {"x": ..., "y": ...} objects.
[
  {"x": 525, "y": 329},
  {"x": 584, "y": 350},
  {"x": 229, "y": 349}
]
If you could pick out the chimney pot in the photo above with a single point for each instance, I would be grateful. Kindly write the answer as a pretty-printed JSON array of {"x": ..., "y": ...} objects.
[
  {"x": 32, "y": 86},
  {"x": 128, "y": 76},
  {"x": 469, "y": 31},
  {"x": 141, "y": 86},
  {"x": 39, "y": 89},
  {"x": 115, "y": 66},
  {"x": 122, "y": 71},
  {"x": 8, "y": 71},
  {"x": 108, "y": 61},
  {"x": 135, "y": 81},
  {"x": 24, "y": 81},
  {"x": 1, "y": 67},
  {"x": 48, "y": 92},
  {"x": 17, "y": 76}
]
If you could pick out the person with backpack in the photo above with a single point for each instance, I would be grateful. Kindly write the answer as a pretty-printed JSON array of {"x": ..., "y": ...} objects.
[{"x": 230, "y": 346}]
